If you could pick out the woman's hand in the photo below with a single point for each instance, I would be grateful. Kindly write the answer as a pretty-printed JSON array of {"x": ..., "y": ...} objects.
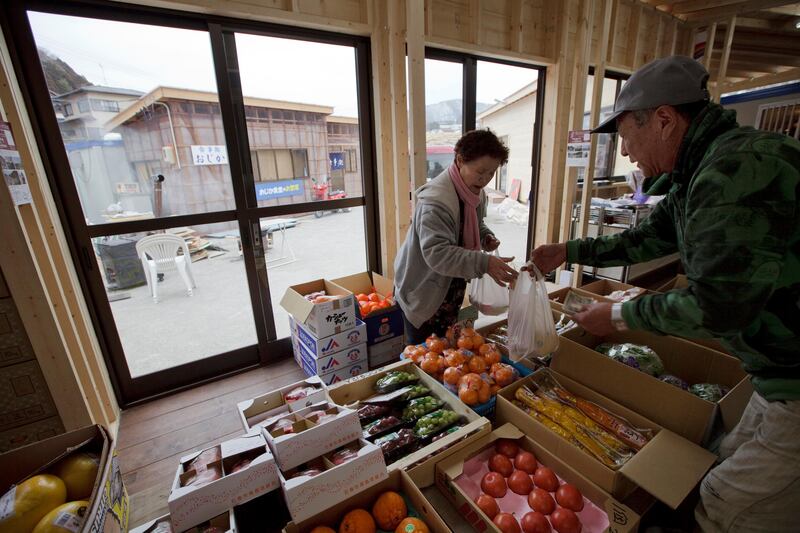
[
  {"x": 500, "y": 271},
  {"x": 490, "y": 243}
]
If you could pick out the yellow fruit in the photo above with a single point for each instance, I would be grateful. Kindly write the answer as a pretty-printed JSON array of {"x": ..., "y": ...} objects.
[
  {"x": 68, "y": 517},
  {"x": 78, "y": 471},
  {"x": 33, "y": 498}
]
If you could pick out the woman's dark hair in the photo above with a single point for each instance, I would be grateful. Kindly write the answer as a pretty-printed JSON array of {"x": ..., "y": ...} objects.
[{"x": 478, "y": 143}]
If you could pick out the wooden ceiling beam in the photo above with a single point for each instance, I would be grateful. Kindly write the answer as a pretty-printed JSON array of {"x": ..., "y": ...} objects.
[
  {"x": 724, "y": 12},
  {"x": 793, "y": 10},
  {"x": 761, "y": 81},
  {"x": 682, "y": 8}
]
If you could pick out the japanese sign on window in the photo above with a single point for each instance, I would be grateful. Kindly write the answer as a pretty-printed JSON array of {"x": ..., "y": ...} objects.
[
  {"x": 11, "y": 165},
  {"x": 267, "y": 190},
  {"x": 209, "y": 155},
  {"x": 578, "y": 147},
  {"x": 337, "y": 160}
]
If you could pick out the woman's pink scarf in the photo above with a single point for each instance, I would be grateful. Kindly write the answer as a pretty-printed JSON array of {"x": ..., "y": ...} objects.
[{"x": 472, "y": 236}]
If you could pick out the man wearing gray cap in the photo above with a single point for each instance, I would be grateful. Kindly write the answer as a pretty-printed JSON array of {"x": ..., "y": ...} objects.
[{"x": 732, "y": 211}]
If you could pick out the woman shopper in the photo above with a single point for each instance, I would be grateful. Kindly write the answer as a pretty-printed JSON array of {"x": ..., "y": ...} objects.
[{"x": 443, "y": 246}]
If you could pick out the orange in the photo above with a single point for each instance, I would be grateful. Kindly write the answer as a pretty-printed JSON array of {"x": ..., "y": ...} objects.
[
  {"x": 468, "y": 396},
  {"x": 389, "y": 510},
  {"x": 451, "y": 376},
  {"x": 357, "y": 521},
  {"x": 477, "y": 341},
  {"x": 465, "y": 342},
  {"x": 477, "y": 364},
  {"x": 322, "y": 529},
  {"x": 412, "y": 525},
  {"x": 484, "y": 393},
  {"x": 492, "y": 357}
]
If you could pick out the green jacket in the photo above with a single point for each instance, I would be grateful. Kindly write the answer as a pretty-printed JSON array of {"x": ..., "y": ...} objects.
[{"x": 732, "y": 210}]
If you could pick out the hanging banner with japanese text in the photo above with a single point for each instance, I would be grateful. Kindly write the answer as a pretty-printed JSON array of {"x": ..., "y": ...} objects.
[{"x": 209, "y": 155}]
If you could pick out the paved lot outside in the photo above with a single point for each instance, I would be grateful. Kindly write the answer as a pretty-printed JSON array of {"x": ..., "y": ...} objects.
[{"x": 218, "y": 317}]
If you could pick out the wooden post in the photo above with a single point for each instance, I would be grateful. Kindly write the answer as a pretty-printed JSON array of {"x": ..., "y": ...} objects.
[
  {"x": 583, "y": 38},
  {"x": 516, "y": 26},
  {"x": 673, "y": 46},
  {"x": 726, "y": 54},
  {"x": 415, "y": 37},
  {"x": 632, "y": 49},
  {"x": 594, "y": 121},
  {"x": 711, "y": 34}
]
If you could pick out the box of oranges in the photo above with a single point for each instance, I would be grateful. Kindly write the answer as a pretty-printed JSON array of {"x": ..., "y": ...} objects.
[{"x": 395, "y": 505}]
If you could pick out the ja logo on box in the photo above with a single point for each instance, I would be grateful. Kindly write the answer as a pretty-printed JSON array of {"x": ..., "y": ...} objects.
[
  {"x": 331, "y": 346},
  {"x": 332, "y": 363}
]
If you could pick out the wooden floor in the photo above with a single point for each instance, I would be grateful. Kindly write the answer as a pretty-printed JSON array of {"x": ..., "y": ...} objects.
[{"x": 153, "y": 436}]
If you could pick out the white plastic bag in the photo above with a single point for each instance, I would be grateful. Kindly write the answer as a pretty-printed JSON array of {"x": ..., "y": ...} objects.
[
  {"x": 487, "y": 296},
  {"x": 531, "y": 328}
]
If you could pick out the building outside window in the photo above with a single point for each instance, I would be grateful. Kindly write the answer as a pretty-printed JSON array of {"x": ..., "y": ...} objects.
[
  {"x": 83, "y": 105},
  {"x": 109, "y": 106}
]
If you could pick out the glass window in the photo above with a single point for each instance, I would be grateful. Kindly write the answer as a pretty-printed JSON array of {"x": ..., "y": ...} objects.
[
  {"x": 109, "y": 106},
  {"x": 134, "y": 60},
  {"x": 506, "y": 104},
  {"x": 443, "y": 113},
  {"x": 300, "y": 160},
  {"x": 67, "y": 110}
]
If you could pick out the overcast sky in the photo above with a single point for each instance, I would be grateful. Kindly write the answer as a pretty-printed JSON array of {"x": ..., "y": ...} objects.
[{"x": 143, "y": 57}]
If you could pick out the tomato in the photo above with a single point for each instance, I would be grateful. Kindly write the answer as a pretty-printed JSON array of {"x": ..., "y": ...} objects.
[
  {"x": 501, "y": 464},
  {"x": 520, "y": 482},
  {"x": 507, "y": 447},
  {"x": 362, "y": 297},
  {"x": 488, "y": 505},
  {"x": 534, "y": 522},
  {"x": 540, "y": 501},
  {"x": 506, "y": 523},
  {"x": 565, "y": 521},
  {"x": 570, "y": 497},
  {"x": 374, "y": 297},
  {"x": 494, "y": 484},
  {"x": 545, "y": 478},
  {"x": 525, "y": 461}
]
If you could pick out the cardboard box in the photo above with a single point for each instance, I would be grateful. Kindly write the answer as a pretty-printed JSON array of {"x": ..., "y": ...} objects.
[
  {"x": 397, "y": 481},
  {"x": 621, "y": 519},
  {"x": 266, "y": 406},
  {"x": 109, "y": 509},
  {"x": 678, "y": 282},
  {"x": 671, "y": 407},
  {"x": 320, "y": 366},
  {"x": 225, "y": 521},
  {"x": 311, "y": 438},
  {"x": 604, "y": 287},
  {"x": 322, "y": 319},
  {"x": 329, "y": 345},
  {"x": 307, "y": 496},
  {"x": 190, "y": 505},
  {"x": 351, "y": 392},
  {"x": 381, "y": 325},
  {"x": 668, "y": 466},
  {"x": 385, "y": 352},
  {"x": 339, "y": 375}
]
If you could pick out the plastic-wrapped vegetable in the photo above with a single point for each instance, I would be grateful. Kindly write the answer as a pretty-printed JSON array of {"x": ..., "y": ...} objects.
[
  {"x": 710, "y": 392},
  {"x": 397, "y": 444},
  {"x": 434, "y": 422},
  {"x": 415, "y": 391},
  {"x": 446, "y": 432},
  {"x": 395, "y": 380},
  {"x": 421, "y": 406},
  {"x": 635, "y": 355},
  {"x": 372, "y": 411},
  {"x": 674, "y": 380},
  {"x": 382, "y": 425}
]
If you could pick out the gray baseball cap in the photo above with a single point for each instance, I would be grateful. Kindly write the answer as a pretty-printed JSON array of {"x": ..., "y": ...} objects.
[{"x": 672, "y": 80}]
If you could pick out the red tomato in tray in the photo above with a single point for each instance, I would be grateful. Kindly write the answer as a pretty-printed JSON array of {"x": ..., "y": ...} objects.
[
  {"x": 501, "y": 464},
  {"x": 570, "y": 497},
  {"x": 541, "y": 501},
  {"x": 506, "y": 523},
  {"x": 488, "y": 505},
  {"x": 526, "y": 461},
  {"x": 545, "y": 478},
  {"x": 494, "y": 485},
  {"x": 534, "y": 522},
  {"x": 520, "y": 482},
  {"x": 507, "y": 447},
  {"x": 565, "y": 521}
]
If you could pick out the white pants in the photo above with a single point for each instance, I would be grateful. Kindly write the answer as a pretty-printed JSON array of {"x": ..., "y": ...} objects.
[{"x": 757, "y": 485}]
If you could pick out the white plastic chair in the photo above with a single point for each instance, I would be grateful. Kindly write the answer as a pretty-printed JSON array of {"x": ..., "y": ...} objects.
[{"x": 159, "y": 253}]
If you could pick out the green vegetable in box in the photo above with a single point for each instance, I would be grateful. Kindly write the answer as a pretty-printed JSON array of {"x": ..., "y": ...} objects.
[
  {"x": 637, "y": 356},
  {"x": 414, "y": 392},
  {"x": 710, "y": 392},
  {"x": 421, "y": 406},
  {"x": 394, "y": 380}
]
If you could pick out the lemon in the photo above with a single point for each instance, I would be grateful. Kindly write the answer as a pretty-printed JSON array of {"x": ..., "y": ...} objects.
[
  {"x": 78, "y": 471},
  {"x": 67, "y": 517},
  {"x": 32, "y": 499}
]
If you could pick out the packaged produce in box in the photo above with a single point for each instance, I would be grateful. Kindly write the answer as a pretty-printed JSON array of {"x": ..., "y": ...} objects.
[
  {"x": 222, "y": 523},
  {"x": 375, "y": 305},
  {"x": 294, "y": 397},
  {"x": 211, "y": 481},
  {"x": 411, "y": 416},
  {"x": 593, "y": 453},
  {"x": 295, "y": 438},
  {"x": 71, "y": 479},
  {"x": 536, "y": 482},
  {"x": 325, "y": 481},
  {"x": 330, "y": 311}
]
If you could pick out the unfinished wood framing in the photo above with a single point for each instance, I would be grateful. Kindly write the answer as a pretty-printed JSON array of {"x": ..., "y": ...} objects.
[
  {"x": 711, "y": 33},
  {"x": 415, "y": 50},
  {"x": 42, "y": 279},
  {"x": 722, "y": 72}
]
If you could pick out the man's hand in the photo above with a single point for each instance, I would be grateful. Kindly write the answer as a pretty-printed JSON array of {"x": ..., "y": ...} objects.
[
  {"x": 596, "y": 319},
  {"x": 490, "y": 243},
  {"x": 500, "y": 271},
  {"x": 548, "y": 257}
]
